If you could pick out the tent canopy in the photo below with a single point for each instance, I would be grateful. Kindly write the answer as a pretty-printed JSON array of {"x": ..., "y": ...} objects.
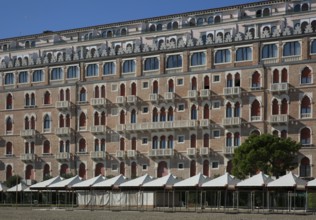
[
  {"x": 194, "y": 181},
  {"x": 65, "y": 184},
  {"x": 162, "y": 182},
  {"x": 312, "y": 183},
  {"x": 87, "y": 184},
  {"x": 18, "y": 188},
  {"x": 288, "y": 180},
  {"x": 110, "y": 183},
  {"x": 44, "y": 184},
  {"x": 137, "y": 182},
  {"x": 258, "y": 180},
  {"x": 3, "y": 187},
  {"x": 224, "y": 181}
]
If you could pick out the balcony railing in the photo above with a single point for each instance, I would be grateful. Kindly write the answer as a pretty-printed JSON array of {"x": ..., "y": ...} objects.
[
  {"x": 255, "y": 118},
  {"x": 98, "y": 129},
  {"x": 161, "y": 153},
  {"x": 306, "y": 115},
  {"x": 197, "y": 68},
  {"x": 232, "y": 91},
  {"x": 185, "y": 124},
  {"x": 63, "y": 156},
  {"x": 181, "y": 124},
  {"x": 229, "y": 150},
  {"x": 29, "y": 133},
  {"x": 291, "y": 59},
  {"x": 62, "y": 105},
  {"x": 131, "y": 153},
  {"x": 153, "y": 97},
  {"x": 121, "y": 100},
  {"x": 205, "y": 123},
  {"x": 120, "y": 154},
  {"x": 205, "y": 93},
  {"x": 234, "y": 121},
  {"x": 204, "y": 151},
  {"x": 120, "y": 128},
  {"x": 192, "y": 94},
  {"x": 278, "y": 87},
  {"x": 98, "y": 102},
  {"x": 65, "y": 131},
  {"x": 97, "y": 155},
  {"x": 132, "y": 99},
  {"x": 191, "y": 152},
  {"x": 279, "y": 118},
  {"x": 28, "y": 157},
  {"x": 169, "y": 96}
]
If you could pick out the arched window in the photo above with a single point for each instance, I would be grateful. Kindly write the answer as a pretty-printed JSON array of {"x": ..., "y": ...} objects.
[
  {"x": 133, "y": 89},
  {"x": 129, "y": 66},
  {"x": 122, "y": 89},
  {"x": 266, "y": 12},
  {"x": 162, "y": 114},
  {"x": 275, "y": 107},
  {"x": 46, "y": 147},
  {"x": 305, "y": 136},
  {"x": 206, "y": 82},
  {"x": 297, "y": 8},
  {"x": 38, "y": 76},
  {"x": 284, "y": 134},
  {"x": 206, "y": 168},
  {"x": 82, "y": 145},
  {"x": 99, "y": 169},
  {"x": 122, "y": 117},
  {"x": 292, "y": 48},
  {"x": 206, "y": 139},
  {"x": 210, "y": 20},
  {"x": 47, "y": 99},
  {"x": 82, "y": 170},
  {"x": 61, "y": 95},
  {"x": 169, "y": 26},
  {"x": 192, "y": 168},
  {"x": 255, "y": 80},
  {"x": 200, "y": 21},
  {"x": 155, "y": 115},
  {"x": 217, "y": 19},
  {"x": 193, "y": 141},
  {"x": 103, "y": 91},
  {"x": 255, "y": 132},
  {"x": 29, "y": 172},
  {"x": 133, "y": 144},
  {"x": 236, "y": 139},
  {"x": 305, "y": 167},
  {"x": 303, "y": 26},
  {"x": 229, "y": 140},
  {"x": 123, "y": 32},
  {"x": 192, "y": 22},
  {"x": 133, "y": 116},
  {"x": 163, "y": 142},
  {"x": 284, "y": 107},
  {"x": 159, "y": 27},
  {"x": 122, "y": 168},
  {"x": 174, "y": 61},
  {"x": 96, "y": 119},
  {"x": 96, "y": 92},
  {"x": 9, "y": 101},
  {"x": 9, "y": 79},
  {"x": 243, "y": 54},
  {"x": 151, "y": 63},
  {"x": 133, "y": 170},
  {"x": 72, "y": 72},
  {"x": 170, "y": 85},
  {"x": 83, "y": 95},
  {"x": 96, "y": 145},
  {"x": 26, "y": 123},
  {"x": 155, "y": 142},
  {"x": 46, "y": 123},
  {"x": 237, "y": 110},
  {"x": 284, "y": 75},
  {"x": 198, "y": 59},
  {"x": 9, "y": 128},
  {"x": 82, "y": 121},
  {"x": 46, "y": 171},
  {"x": 229, "y": 110},
  {"x": 222, "y": 56},
  {"x": 170, "y": 114},
  {"x": 27, "y": 99},
  {"x": 109, "y": 68},
  {"x": 8, "y": 148},
  {"x": 305, "y": 7},
  {"x": 259, "y": 13},
  {"x": 63, "y": 170},
  {"x": 23, "y": 77},
  {"x": 170, "y": 142},
  {"x": 103, "y": 118},
  {"x": 306, "y": 76},
  {"x": 92, "y": 70},
  {"x": 206, "y": 111},
  {"x": 193, "y": 112},
  {"x": 61, "y": 121},
  {"x": 152, "y": 28},
  {"x": 237, "y": 80},
  {"x": 306, "y": 107},
  {"x": 175, "y": 25},
  {"x": 255, "y": 111}
]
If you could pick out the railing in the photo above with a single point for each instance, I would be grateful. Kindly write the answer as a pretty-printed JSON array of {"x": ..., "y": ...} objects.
[
  {"x": 205, "y": 93},
  {"x": 153, "y": 97},
  {"x": 131, "y": 153},
  {"x": 158, "y": 125},
  {"x": 98, "y": 129},
  {"x": 291, "y": 59},
  {"x": 63, "y": 156},
  {"x": 27, "y": 133},
  {"x": 231, "y": 121},
  {"x": 28, "y": 157},
  {"x": 204, "y": 151},
  {"x": 277, "y": 87},
  {"x": 204, "y": 122},
  {"x": 161, "y": 153},
  {"x": 279, "y": 118},
  {"x": 120, "y": 154},
  {"x": 98, "y": 101},
  {"x": 192, "y": 152},
  {"x": 270, "y": 61},
  {"x": 63, "y": 131},
  {"x": 306, "y": 115},
  {"x": 120, "y": 100},
  {"x": 97, "y": 154},
  {"x": 255, "y": 118},
  {"x": 197, "y": 68},
  {"x": 169, "y": 96},
  {"x": 174, "y": 70},
  {"x": 62, "y": 104},
  {"x": 192, "y": 94},
  {"x": 131, "y": 99},
  {"x": 229, "y": 150},
  {"x": 232, "y": 91}
]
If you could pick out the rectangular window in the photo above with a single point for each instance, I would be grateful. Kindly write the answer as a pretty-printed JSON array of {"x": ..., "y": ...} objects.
[
  {"x": 292, "y": 49},
  {"x": 56, "y": 74},
  {"x": 114, "y": 167},
  {"x": 216, "y": 134},
  {"x": 180, "y": 166},
  {"x": 151, "y": 63},
  {"x": 92, "y": 70},
  {"x": 180, "y": 139},
  {"x": 216, "y": 78},
  {"x": 181, "y": 107},
  {"x": 129, "y": 66},
  {"x": 23, "y": 77},
  {"x": 145, "y": 110},
  {"x": 38, "y": 76},
  {"x": 244, "y": 54},
  {"x": 215, "y": 165},
  {"x": 269, "y": 51},
  {"x": 72, "y": 72},
  {"x": 198, "y": 59},
  {"x": 145, "y": 167},
  {"x": 109, "y": 68},
  {"x": 179, "y": 81},
  {"x": 223, "y": 56},
  {"x": 145, "y": 85},
  {"x": 216, "y": 104}
]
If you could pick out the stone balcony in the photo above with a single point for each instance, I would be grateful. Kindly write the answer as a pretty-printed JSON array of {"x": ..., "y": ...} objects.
[
  {"x": 28, "y": 157},
  {"x": 167, "y": 125},
  {"x": 192, "y": 152},
  {"x": 279, "y": 87},
  {"x": 233, "y": 121},
  {"x": 63, "y": 156},
  {"x": 232, "y": 91},
  {"x": 29, "y": 133},
  {"x": 62, "y": 105},
  {"x": 98, "y": 129},
  {"x": 97, "y": 155},
  {"x": 192, "y": 94},
  {"x": 120, "y": 100},
  {"x": 169, "y": 96},
  {"x": 163, "y": 153},
  {"x": 63, "y": 132},
  {"x": 205, "y": 93},
  {"x": 132, "y": 99},
  {"x": 229, "y": 149},
  {"x": 131, "y": 154},
  {"x": 275, "y": 119},
  {"x": 153, "y": 97},
  {"x": 98, "y": 102}
]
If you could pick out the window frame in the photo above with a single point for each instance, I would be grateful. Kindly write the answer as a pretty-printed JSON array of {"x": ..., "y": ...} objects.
[
  {"x": 199, "y": 54},
  {"x": 175, "y": 63},
  {"x": 95, "y": 70},
  {"x": 248, "y": 49},
  {"x": 113, "y": 68},
  {"x": 56, "y": 76},
  {"x": 292, "y": 48},
  {"x": 42, "y": 76},
  {"x": 131, "y": 68},
  {"x": 27, "y": 77},
  {"x": 71, "y": 68},
  {"x": 224, "y": 56},
  {"x": 151, "y": 64}
]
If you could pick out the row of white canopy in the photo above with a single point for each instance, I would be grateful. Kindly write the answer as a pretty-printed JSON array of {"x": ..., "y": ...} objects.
[{"x": 289, "y": 180}]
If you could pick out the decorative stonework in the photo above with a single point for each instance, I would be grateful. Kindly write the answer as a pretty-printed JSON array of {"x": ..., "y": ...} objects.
[
  {"x": 218, "y": 40},
  {"x": 112, "y": 52},
  {"x": 308, "y": 29},
  {"x": 137, "y": 49},
  {"x": 209, "y": 41},
  {"x": 190, "y": 43},
  {"x": 297, "y": 30},
  {"x": 265, "y": 34},
  {"x": 276, "y": 33},
  {"x": 146, "y": 48},
  {"x": 287, "y": 31},
  {"x": 248, "y": 36},
  {"x": 200, "y": 42},
  {"x": 181, "y": 44}
]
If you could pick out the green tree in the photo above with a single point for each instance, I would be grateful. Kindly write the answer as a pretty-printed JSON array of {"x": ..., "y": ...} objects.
[
  {"x": 12, "y": 181},
  {"x": 267, "y": 153}
]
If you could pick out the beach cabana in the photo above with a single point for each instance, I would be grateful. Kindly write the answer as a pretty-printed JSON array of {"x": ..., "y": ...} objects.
[
  {"x": 287, "y": 192},
  {"x": 132, "y": 196},
  {"x": 85, "y": 193},
  {"x": 108, "y": 189},
  {"x": 65, "y": 186},
  {"x": 186, "y": 192},
  {"x": 220, "y": 192},
  {"x": 161, "y": 188},
  {"x": 252, "y": 191}
]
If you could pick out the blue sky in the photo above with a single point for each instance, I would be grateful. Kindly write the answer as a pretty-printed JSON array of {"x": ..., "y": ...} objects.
[{"x": 21, "y": 17}]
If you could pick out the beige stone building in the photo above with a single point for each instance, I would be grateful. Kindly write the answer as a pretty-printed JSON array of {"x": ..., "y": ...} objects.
[{"x": 167, "y": 94}]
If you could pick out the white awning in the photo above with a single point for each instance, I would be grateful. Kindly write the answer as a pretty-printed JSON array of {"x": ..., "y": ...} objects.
[
  {"x": 258, "y": 180},
  {"x": 44, "y": 184},
  {"x": 89, "y": 183},
  {"x": 67, "y": 183},
  {"x": 18, "y": 188},
  {"x": 109, "y": 183},
  {"x": 312, "y": 183},
  {"x": 194, "y": 181},
  {"x": 137, "y": 182},
  {"x": 288, "y": 180},
  {"x": 165, "y": 181},
  {"x": 3, "y": 187},
  {"x": 223, "y": 181}
]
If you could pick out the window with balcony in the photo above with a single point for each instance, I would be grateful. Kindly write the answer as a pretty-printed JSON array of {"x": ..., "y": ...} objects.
[
  {"x": 82, "y": 145},
  {"x": 155, "y": 115},
  {"x": 170, "y": 142},
  {"x": 170, "y": 86},
  {"x": 305, "y": 167},
  {"x": 92, "y": 70},
  {"x": 82, "y": 121},
  {"x": 255, "y": 111},
  {"x": 306, "y": 76},
  {"x": 133, "y": 116},
  {"x": 72, "y": 72},
  {"x": 206, "y": 168},
  {"x": 301, "y": 7},
  {"x": 155, "y": 87},
  {"x": 9, "y": 125},
  {"x": 170, "y": 114},
  {"x": 82, "y": 95},
  {"x": 192, "y": 168},
  {"x": 151, "y": 63},
  {"x": 236, "y": 139},
  {"x": 174, "y": 61},
  {"x": 193, "y": 83},
  {"x": 305, "y": 136},
  {"x": 193, "y": 141},
  {"x": 277, "y": 78},
  {"x": 162, "y": 114},
  {"x": 129, "y": 66},
  {"x": 154, "y": 142},
  {"x": 23, "y": 77},
  {"x": 56, "y": 74},
  {"x": 26, "y": 123},
  {"x": 47, "y": 99},
  {"x": 46, "y": 123},
  {"x": 198, "y": 59},
  {"x": 163, "y": 142},
  {"x": 223, "y": 56},
  {"x": 29, "y": 148},
  {"x": 255, "y": 80},
  {"x": 244, "y": 54},
  {"x": 306, "y": 111},
  {"x": 229, "y": 140},
  {"x": 133, "y": 89},
  {"x": 284, "y": 134},
  {"x": 206, "y": 82},
  {"x": 269, "y": 51},
  {"x": 237, "y": 109},
  {"x": 122, "y": 117},
  {"x": 292, "y": 49},
  {"x": 9, "y": 101},
  {"x": 122, "y": 89},
  {"x": 206, "y": 142},
  {"x": 9, "y": 79},
  {"x": 193, "y": 112},
  {"x": 206, "y": 111}
]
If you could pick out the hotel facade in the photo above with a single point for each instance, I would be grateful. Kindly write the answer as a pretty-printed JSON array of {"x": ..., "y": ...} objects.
[{"x": 171, "y": 94}]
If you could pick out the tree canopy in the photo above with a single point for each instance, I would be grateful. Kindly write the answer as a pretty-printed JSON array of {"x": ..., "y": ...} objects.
[{"x": 268, "y": 153}]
